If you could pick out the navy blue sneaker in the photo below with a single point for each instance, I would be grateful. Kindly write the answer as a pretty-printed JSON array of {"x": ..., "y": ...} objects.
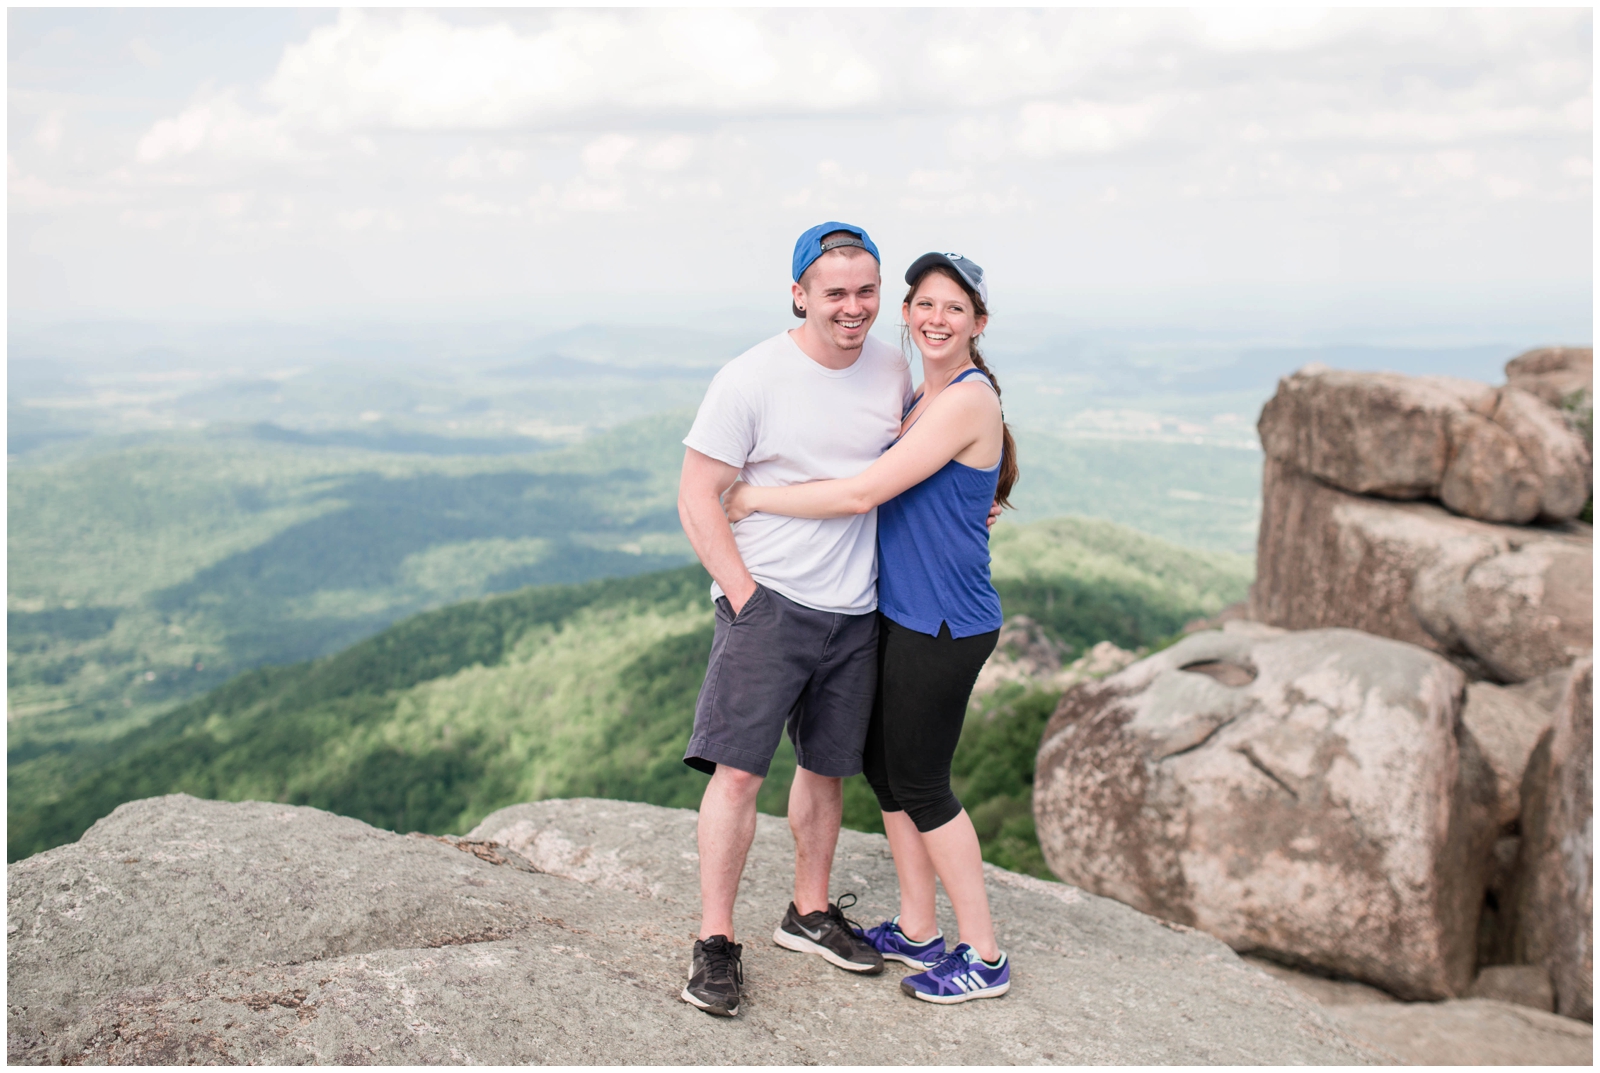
[
  {"x": 892, "y": 943},
  {"x": 960, "y": 976}
]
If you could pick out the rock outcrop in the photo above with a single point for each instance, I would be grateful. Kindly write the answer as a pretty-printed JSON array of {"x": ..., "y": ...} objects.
[
  {"x": 1501, "y": 1022},
  {"x": 1497, "y": 455},
  {"x": 1521, "y": 985},
  {"x": 1491, "y": 1033},
  {"x": 1026, "y": 655},
  {"x": 1298, "y": 794},
  {"x": 1553, "y": 899},
  {"x": 1506, "y": 602},
  {"x": 1505, "y": 728},
  {"x": 1554, "y": 373},
  {"x": 184, "y": 931},
  {"x": 1380, "y": 434}
]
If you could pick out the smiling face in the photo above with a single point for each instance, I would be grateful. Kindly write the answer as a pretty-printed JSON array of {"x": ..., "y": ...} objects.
[
  {"x": 840, "y": 296},
  {"x": 941, "y": 318}
]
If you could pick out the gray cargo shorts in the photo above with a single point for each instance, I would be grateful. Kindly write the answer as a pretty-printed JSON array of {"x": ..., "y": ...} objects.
[{"x": 781, "y": 662}]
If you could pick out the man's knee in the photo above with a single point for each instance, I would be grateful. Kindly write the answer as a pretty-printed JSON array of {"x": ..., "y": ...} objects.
[{"x": 733, "y": 782}]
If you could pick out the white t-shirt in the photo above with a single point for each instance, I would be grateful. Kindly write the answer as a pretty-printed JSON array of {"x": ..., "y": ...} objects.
[{"x": 784, "y": 419}]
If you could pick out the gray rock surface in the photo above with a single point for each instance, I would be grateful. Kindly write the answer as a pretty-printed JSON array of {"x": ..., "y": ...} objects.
[
  {"x": 1553, "y": 373},
  {"x": 1553, "y": 900},
  {"x": 1472, "y": 1031},
  {"x": 1500, "y": 455},
  {"x": 1546, "y": 690},
  {"x": 1326, "y": 991},
  {"x": 1453, "y": 1032},
  {"x": 187, "y": 931},
  {"x": 1488, "y": 476},
  {"x": 1521, "y": 985},
  {"x": 1294, "y": 794},
  {"x": 1505, "y": 727},
  {"x": 1557, "y": 454},
  {"x": 1380, "y": 434},
  {"x": 1505, "y": 602}
]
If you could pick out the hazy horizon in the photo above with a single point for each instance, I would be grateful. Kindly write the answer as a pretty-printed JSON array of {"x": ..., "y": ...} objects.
[{"x": 1395, "y": 177}]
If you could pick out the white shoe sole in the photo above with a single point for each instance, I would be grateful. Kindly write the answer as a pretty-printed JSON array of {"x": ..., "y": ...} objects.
[
  {"x": 950, "y": 1000},
  {"x": 691, "y": 1000},
  {"x": 801, "y": 945},
  {"x": 920, "y": 966}
]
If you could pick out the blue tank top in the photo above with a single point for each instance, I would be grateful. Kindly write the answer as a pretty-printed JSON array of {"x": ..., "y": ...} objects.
[{"x": 933, "y": 551}]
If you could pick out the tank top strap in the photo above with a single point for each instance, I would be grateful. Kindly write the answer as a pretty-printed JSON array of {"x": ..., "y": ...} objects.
[{"x": 975, "y": 372}]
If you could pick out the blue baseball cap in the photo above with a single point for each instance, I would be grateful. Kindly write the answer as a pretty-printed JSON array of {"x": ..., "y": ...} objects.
[{"x": 809, "y": 246}]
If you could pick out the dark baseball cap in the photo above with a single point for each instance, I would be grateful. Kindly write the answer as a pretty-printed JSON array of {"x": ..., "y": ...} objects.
[
  {"x": 810, "y": 245},
  {"x": 966, "y": 269}
]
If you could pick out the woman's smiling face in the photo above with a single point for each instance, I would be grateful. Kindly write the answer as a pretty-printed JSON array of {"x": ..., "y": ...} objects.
[{"x": 941, "y": 318}]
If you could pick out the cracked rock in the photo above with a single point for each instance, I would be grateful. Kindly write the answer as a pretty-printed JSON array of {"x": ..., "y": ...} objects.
[
  {"x": 1301, "y": 795},
  {"x": 180, "y": 931}
]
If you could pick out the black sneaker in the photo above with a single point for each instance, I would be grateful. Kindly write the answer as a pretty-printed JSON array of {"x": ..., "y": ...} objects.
[
  {"x": 828, "y": 932},
  {"x": 715, "y": 976}
]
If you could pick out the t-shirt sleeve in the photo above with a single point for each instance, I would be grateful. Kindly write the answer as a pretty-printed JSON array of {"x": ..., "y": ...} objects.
[
  {"x": 905, "y": 388},
  {"x": 725, "y": 425}
]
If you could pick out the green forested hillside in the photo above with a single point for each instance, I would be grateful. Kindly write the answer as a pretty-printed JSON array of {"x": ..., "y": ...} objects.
[
  {"x": 148, "y": 573},
  {"x": 145, "y": 570},
  {"x": 578, "y": 689}
]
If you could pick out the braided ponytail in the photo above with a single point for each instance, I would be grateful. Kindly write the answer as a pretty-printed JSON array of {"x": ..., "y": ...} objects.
[{"x": 1008, "y": 450}]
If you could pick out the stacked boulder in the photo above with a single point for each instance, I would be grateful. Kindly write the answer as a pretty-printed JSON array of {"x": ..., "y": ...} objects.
[{"x": 1383, "y": 773}]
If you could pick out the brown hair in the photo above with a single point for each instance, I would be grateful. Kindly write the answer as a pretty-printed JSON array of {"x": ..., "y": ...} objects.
[
  {"x": 843, "y": 251},
  {"x": 1008, "y": 448}
]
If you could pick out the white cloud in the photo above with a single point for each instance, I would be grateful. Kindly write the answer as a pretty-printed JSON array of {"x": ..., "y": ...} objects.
[
  {"x": 222, "y": 127},
  {"x": 1050, "y": 128},
  {"x": 417, "y": 71},
  {"x": 579, "y": 130},
  {"x": 47, "y": 135},
  {"x": 142, "y": 51},
  {"x": 486, "y": 163},
  {"x": 605, "y": 153},
  {"x": 669, "y": 154}
]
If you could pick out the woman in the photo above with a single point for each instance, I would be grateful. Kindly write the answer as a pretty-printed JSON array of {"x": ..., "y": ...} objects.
[{"x": 939, "y": 619}]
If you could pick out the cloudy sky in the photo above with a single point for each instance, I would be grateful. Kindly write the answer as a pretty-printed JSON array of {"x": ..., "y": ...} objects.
[{"x": 1392, "y": 167}]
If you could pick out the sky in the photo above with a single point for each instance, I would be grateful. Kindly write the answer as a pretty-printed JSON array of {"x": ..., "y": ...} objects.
[{"x": 1381, "y": 174}]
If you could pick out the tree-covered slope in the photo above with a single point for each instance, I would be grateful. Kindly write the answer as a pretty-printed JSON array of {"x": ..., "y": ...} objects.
[
  {"x": 564, "y": 690},
  {"x": 147, "y": 574}
]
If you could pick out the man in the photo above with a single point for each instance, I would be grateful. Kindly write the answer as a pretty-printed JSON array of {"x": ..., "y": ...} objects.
[{"x": 796, "y": 634}]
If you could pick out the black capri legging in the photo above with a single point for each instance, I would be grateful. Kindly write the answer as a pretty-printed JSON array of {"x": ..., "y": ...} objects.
[{"x": 924, "y": 684}]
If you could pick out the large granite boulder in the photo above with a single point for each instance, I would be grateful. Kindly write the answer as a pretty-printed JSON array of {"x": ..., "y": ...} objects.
[
  {"x": 179, "y": 931},
  {"x": 1298, "y": 795},
  {"x": 1488, "y": 476},
  {"x": 1554, "y": 373},
  {"x": 1380, "y": 434},
  {"x": 1553, "y": 899},
  {"x": 1500, "y": 455},
  {"x": 1506, "y": 602},
  {"x": 1558, "y": 455}
]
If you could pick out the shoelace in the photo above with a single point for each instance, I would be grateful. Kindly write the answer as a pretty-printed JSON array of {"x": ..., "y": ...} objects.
[
  {"x": 836, "y": 910},
  {"x": 880, "y": 932},
  {"x": 950, "y": 966},
  {"x": 721, "y": 964}
]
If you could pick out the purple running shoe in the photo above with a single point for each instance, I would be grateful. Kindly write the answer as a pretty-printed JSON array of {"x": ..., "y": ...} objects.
[
  {"x": 892, "y": 943},
  {"x": 960, "y": 976}
]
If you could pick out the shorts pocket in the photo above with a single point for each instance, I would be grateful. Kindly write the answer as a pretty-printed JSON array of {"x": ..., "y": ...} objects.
[{"x": 757, "y": 598}]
